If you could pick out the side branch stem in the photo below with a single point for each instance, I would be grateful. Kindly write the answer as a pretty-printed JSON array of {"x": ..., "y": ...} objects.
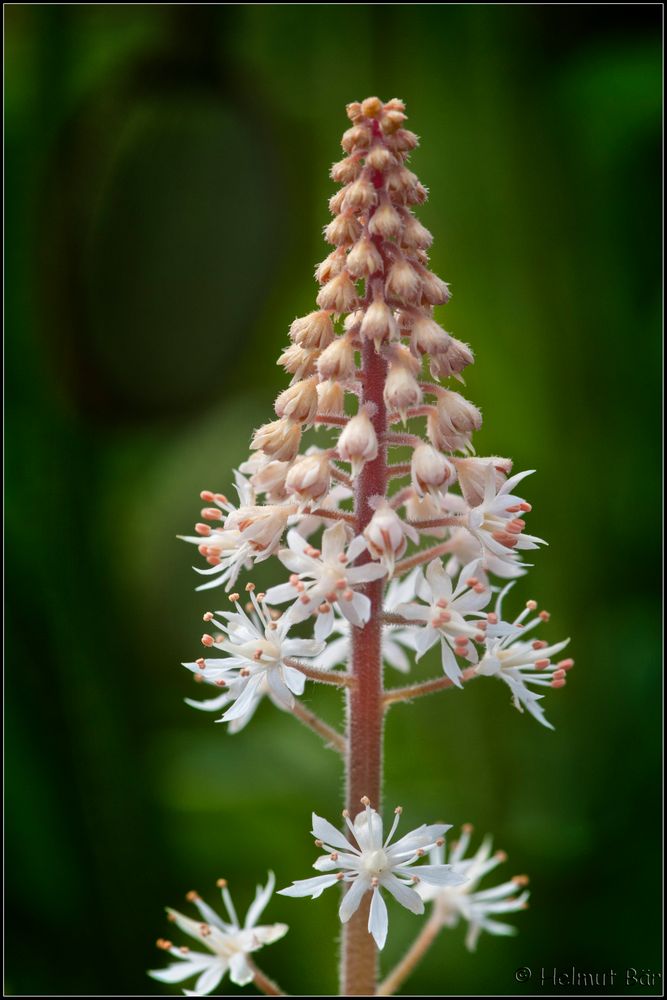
[
  {"x": 330, "y": 736},
  {"x": 412, "y": 957},
  {"x": 426, "y": 687}
]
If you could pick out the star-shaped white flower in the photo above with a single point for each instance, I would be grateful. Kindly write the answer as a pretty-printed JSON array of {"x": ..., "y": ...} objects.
[
  {"x": 520, "y": 662},
  {"x": 445, "y": 615},
  {"x": 322, "y": 579},
  {"x": 259, "y": 650},
  {"x": 369, "y": 862},
  {"x": 467, "y": 902},
  {"x": 227, "y": 942},
  {"x": 496, "y": 522}
]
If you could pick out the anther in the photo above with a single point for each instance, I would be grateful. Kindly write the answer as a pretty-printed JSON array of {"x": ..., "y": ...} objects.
[
  {"x": 207, "y": 640},
  {"x": 207, "y": 496},
  {"x": 398, "y": 810},
  {"x": 440, "y": 842},
  {"x": 249, "y": 587},
  {"x": 492, "y": 618},
  {"x": 319, "y": 843},
  {"x": 333, "y": 856},
  {"x": 531, "y": 605},
  {"x": 544, "y": 615},
  {"x": 566, "y": 664},
  {"x": 540, "y": 644},
  {"x": 375, "y": 881},
  {"x": 365, "y": 801},
  {"x": 467, "y": 828},
  {"x": 212, "y": 513},
  {"x": 520, "y": 879},
  {"x": 192, "y": 896},
  {"x": 541, "y": 664},
  {"x": 203, "y": 529},
  {"x": 500, "y": 856},
  {"x": 208, "y": 616},
  {"x": 234, "y": 598},
  {"x": 221, "y": 883},
  {"x": 163, "y": 944},
  {"x": 204, "y": 930}
]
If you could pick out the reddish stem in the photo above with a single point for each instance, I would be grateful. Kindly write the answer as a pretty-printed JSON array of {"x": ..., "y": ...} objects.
[{"x": 364, "y": 701}]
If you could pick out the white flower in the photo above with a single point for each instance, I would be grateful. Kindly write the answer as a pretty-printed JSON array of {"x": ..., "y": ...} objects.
[
  {"x": 495, "y": 522},
  {"x": 371, "y": 863},
  {"x": 250, "y": 534},
  {"x": 520, "y": 662},
  {"x": 228, "y": 943},
  {"x": 465, "y": 547},
  {"x": 322, "y": 579},
  {"x": 452, "y": 903},
  {"x": 258, "y": 649},
  {"x": 444, "y": 616}
]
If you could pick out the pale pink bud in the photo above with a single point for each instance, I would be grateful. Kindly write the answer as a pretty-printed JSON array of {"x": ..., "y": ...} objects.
[
  {"x": 403, "y": 283},
  {"x": 427, "y": 508},
  {"x": 452, "y": 361},
  {"x": 313, "y": 330},
  {"x": 336, "y": 201},
  {"x": 415, "y": 234},
  {"x": 330, "y": 266},
  {"x": 343, "y": 230},
  {"x": 403, "y": 186},
  {"x": 346, "y": 170},
  {"x": 379, "y": 324},
  {"x": 434, "y": 290},
  {"x": 299, "y": 361},
  {"x": 385, "y": 536},
  {"x": 473, "y": 476},
  {"x": 402, "y": 141},
  {"x": 271, "y": 479},
  {"x": 331, "y": 399},
  {"x": 359, "y": 196},
  {"x": 431, "y": 471},
  {"x": 391, "y": 121},
  {"x": 280, "y": 439},
  {"x": 309, "y": 478},
  {"x": 299, "y": 402},
  {"x": 401, "y": 390},
  {"x": 356, "y": 138},
  {"x": 339, "y": 294},
  {"x": 364, "y": 259},
  {"x": 385, "y": 221},
  {"x": 458, "y": 413},
  {"x": 337, "y": 361},
  {"x": 379, "y": 158},
  {"x": 428, "y": 337},
  {"x": 358, "y": 442},
  {"x": 353, "y": 111}
]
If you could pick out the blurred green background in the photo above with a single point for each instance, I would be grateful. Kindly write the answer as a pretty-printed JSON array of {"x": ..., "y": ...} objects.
[{"x": 167, "y": 181}]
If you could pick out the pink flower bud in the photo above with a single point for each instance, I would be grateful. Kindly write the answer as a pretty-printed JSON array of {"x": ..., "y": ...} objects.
[
  {"x": 356, "y": 139},
  {"x": 358, "y": 442},
  {"x": 359, "y": 196},
  {"x": 331, "y": 399},
  {"x": 415, "y": 235},
  {"x": 402, "y": 141},
  {"x": 313, "y": 330},
  {"x": 299, "y": 361},
  {"x": 371, "y": 107},
  {"x": 364, "y": 259},
  {"x": 379, "y": 324},
  {"x": 309, "y": 478},
  {"x": 401, "y": 390},
  {"x": 339, "y": 294},
  {"x": 280, "y": 439},
  {"x": 403, "y": 284},
  {"x": 346, "y": 170},
  {"x": 299, "y": 402},
  {"x": 379, "y": 158},
  {"x": 330, "y": 266},
  {"x": 337, "y": 362},
  {"x": 453, "y": 360},
  {"x": 271, "y": 479},
  {"x": 434, "y": 290},
  {"x": 261, "y": 526},
  {"x": 431, "y": 471},
  {"x": 343, "y": 231},
  {"x": 385, "y": 221},
  {"x": 473, "y": 476},
  {"x": 428, "y": 337},
  {"x": 385, "y": 536}
]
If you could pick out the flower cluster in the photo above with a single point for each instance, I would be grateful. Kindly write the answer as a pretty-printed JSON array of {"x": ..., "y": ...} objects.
[{"x": 393, "y": 537}]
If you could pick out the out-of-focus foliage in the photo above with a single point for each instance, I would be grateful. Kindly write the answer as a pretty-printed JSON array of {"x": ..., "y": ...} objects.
[{"x": 166, "y": 173}]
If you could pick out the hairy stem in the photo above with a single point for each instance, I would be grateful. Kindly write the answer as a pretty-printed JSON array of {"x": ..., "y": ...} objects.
[
  {"x": 263, "y": 983},
  {"x": 412, "y": 957},
  {"x": 330, "y": 736},
  {"x": 365, "y": 713},
  {"x": 426, "y": 687},
  {"x": 323, "y": 676}
]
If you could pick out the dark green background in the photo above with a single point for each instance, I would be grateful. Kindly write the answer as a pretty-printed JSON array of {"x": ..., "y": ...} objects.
[{"x": 166, "y": 173}]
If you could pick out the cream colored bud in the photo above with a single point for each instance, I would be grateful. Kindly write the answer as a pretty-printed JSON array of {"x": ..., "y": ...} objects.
[
  {"x": 391, "y": 121},
  {"x": 379, "y": 158},
  {"x": 401, "y": 390},
  {"x": 336, "y": 200},
  {"x": 280, "y": 439},
  {"x": 356, "y": 138},
  {"x": 455, "y": 358},
  {"x": 431, "y": 472},
  {"x": 346, "y": 170},
  {"x": 428, "y": 337},
  {"x": 435, "y": 291},
  {"x": 385, "y": 536},
  {"x": 385, "y": 221},
  {"x": 299, "y": 361},
  {"x": 402, "y": 141},
  {"x": 402, "y": 185},
  {"x": 330, "y": 266},
  {"x": 331, "y": 399},
  {"x": 271, "y": 478},
  {"x": 364, "y": 259},
  {"x": 298, "y": 402},
  {"x": 426, "y": 508},
  {"x": 343, "y": 231},
  {"x": 473, "y": 476},
  {"x": 458, "y": 413},
  {"x": 359, "y": 196},
  {"x": 309, "y": 478},
  {"x": 314, "y": 330},
  {"x": 379, "y": 324},
  {"x": 358, "y": 442},
  {"x": 337, "y": 362},
  {"x": 339, "y": 294},
  {"x": 403, "y": 284},
  {"x": 415, "y": 235},
  {"x": 353, "y": 111},
  {"x": 371, "y": 107}
]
